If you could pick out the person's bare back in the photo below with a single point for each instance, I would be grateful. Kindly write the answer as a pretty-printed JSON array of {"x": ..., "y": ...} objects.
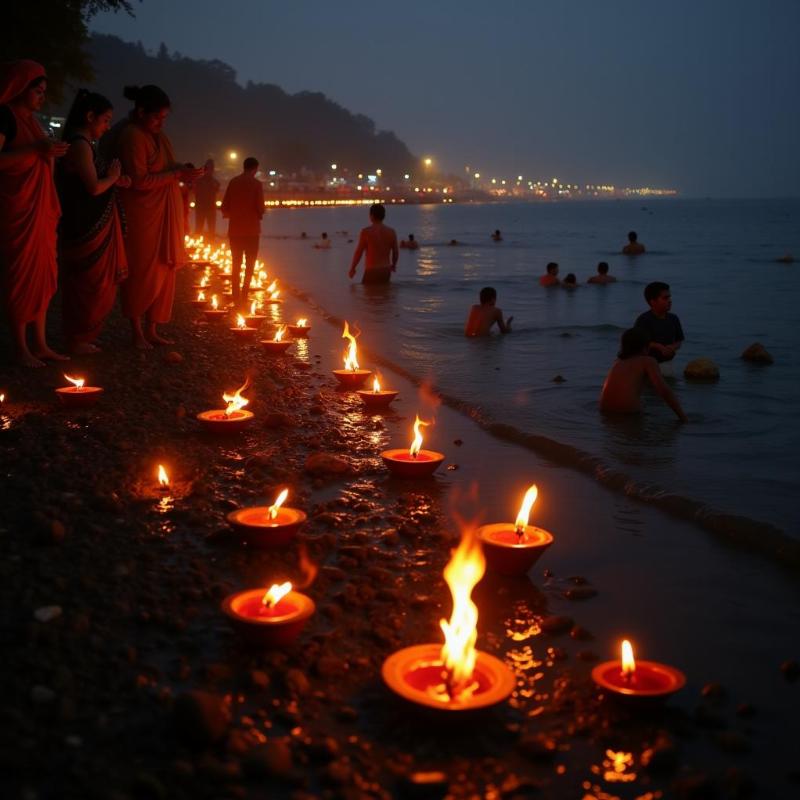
[
  {"x": 624, "y": 383},
  {"x": 379, "y": 242}
]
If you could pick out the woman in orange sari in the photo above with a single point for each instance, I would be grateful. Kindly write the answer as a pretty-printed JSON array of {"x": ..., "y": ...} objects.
[
  {"x": 29, "y": 210},
  {"x": 153, "y": 211},
  {"x": 90, "y": 235}
]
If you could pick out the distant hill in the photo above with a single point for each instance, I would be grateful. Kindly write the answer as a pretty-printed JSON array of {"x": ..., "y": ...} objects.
[{"x": 212, "y": 113}]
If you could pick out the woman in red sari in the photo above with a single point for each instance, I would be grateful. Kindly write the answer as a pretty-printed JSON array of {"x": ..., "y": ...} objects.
[
  {"x": 29, "y": 210},
  {"x": 90, "y": 235},
  {"x": 153, "y": 212}
]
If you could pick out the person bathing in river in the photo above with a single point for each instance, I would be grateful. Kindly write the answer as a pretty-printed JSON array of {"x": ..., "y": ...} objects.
[
  {"x": 497, "y": 237},
  {"x": 411, "y": 243},
  {"x": 484, "y": 315},
  {"x": 550, "y": 278},
  {"x": 663, "y": 329},
  {"x": 602, "y": 275},
  {"x": 634, "y": 246},
  {"x": 626, "y": 378},
  {"x": 570, "y": 282},
  {"x": 379, "y": 242}
]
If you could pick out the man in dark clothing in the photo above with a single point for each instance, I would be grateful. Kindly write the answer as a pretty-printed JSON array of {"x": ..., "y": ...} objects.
[
  {"x": 664, "y": 329},
  {"x": 206, "y": 188}
]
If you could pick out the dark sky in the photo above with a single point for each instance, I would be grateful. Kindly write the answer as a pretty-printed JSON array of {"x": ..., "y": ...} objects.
[{"x": 700, "y": 95}]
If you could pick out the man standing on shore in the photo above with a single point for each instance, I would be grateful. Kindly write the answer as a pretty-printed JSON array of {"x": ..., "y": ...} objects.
[{"x": 380, "y": 243}]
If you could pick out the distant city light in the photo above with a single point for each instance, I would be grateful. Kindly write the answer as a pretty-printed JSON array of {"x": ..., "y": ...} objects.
[
  {"x": 428, "y": 162},
  {"x": 477, "y": 175},
  {"x": 406, "y": 176},
  {"x": 333, "y": 166}
]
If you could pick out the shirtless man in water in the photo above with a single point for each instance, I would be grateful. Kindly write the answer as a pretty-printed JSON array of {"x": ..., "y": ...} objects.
[
  {"x": 626, "y": 378},
  {"x": 482, "y": 317},
  {"x": 380, "y": 243}
]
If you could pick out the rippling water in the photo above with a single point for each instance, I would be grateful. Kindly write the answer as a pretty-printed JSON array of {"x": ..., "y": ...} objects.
[{"x": 739, "y": 453}]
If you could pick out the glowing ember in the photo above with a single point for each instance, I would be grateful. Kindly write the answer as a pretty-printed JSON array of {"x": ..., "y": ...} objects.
[
  {"x": 465, "y": 569},
  {"x": 525, "y": 509},
  {"x": 280, "y": 333},
  {"x": 280, "y": 500},
  {"x": 628, "y": 663},
  {"x": 351, "y": 354},
  {"x": 240, "y": 321},
  {"x": 376, "y": 385},
  {"x": 214, "y": 302},
  {"x": 78, "y": 382},
  {"x": 302, "y": 322},
  {"x": 416, "y": 445},
  {"x": 276, "y": 593},
  {"x": 235, "y": 401},
  {"x": 163, "y": 478}
]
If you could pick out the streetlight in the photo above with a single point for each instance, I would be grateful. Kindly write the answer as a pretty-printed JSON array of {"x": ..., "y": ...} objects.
[
  {"x": 428, "y": 162},
  {"x": 333, "y": 166},
  {"x": 233, "y": 155}
]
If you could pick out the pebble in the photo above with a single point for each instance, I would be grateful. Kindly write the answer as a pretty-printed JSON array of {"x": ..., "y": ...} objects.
[
  {"x": 757, "y": 354},
  {"x": 701, "y": 369},
  {"x": 297, "y": 682},
  {"x": 47, "y": 613},
  {"x": 173, "y": 357},
  {"x": 327, "y": 464},
  {"x": 274, "y": 759}
]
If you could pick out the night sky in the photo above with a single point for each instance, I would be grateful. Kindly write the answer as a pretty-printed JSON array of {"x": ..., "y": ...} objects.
[{"x": 699, "y": 95}]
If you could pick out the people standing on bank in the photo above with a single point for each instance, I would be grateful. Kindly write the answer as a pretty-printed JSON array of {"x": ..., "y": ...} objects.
[
  {"x": 153, "y": 211},
  {"x": 206, "y": 189},
  {"x": 379, "y": 242},
  {"x": 29, "y": 210},
  {"x": 91, "y": 245},
  {"x": 243, "y": 205}
]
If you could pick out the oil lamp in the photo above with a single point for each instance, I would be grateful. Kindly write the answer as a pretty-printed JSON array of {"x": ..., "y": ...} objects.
[
  {"x": 267, "y": 526},
  {"x": 215, "y": 313},
  {"x": 376, "y": 397},
  {"x": 300, "y": 328},
  {"x": 254, "y": 318},
  {"x": 351, "y": 377},
  {"x": 242, "y": 329},
  {"x": 414, "y": 462},
  {"x": 232, "y": 418},
  {"x": 278, "y": 344},
  {"x": 78, "y": 395},
  {"x": 200, "y": 301}
]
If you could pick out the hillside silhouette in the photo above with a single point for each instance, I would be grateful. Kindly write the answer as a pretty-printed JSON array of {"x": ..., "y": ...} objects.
[{"x": 212, "y": 114}]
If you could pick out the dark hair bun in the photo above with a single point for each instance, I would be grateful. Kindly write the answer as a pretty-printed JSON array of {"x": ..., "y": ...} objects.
[{"x": 131, "y": 93}]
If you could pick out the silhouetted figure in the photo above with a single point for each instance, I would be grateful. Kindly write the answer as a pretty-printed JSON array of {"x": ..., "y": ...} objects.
[
  {"x": 411, "y": 243},
  {"x": 634, "y": 246},
  {"x": 570, "y": 282},
  {"x": 324, "y": 242},
  {"x": 602, "y": 275},
  {"x": 379, "y": 242},
  {"x": 206, "y": 189},
  {"x": 663, "y": 328},
  {"x": 550, "y": 278},
  {"x": 496, "y": 237},
  {"x": 486, "y": 314}
]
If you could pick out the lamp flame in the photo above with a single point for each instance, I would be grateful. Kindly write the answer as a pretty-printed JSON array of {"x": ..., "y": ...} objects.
[
  {"x": 78, "y": 382},
  {"x": 351, "y": 354},
  {"x": 274, "y": 295},
  {"x": 302, "y": 322},
  {"x": 214, "y": 302},
  {"x": 253, "y": 307},
  {"x": 280, "y": 333},
  {"x": 376, "y": 385},
  {"x": 201, "y": 295},
  {"x": 279, "y": 501},
  {"x": 163, "y": 478},
  {"x": 240, "y": 321},
  {"x": 462, "y": 573},
  {"x": 628, "y": 662},
  {"x": 235, "y": 401},
  {"x": 276, "y": 593},
  {"x": 525, "y": 509},
  {"x": 416, "y": 445},
  {"x": 203, "y": 282}
]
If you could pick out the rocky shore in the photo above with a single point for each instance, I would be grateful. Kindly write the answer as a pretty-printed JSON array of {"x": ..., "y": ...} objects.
[{"x": 123, "y": 680}]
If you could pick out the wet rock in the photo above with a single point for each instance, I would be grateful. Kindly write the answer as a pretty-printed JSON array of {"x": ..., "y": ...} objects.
[
  {"x": 201, "y": 718},
  {"x": 277, "y": 419},
  {"x": 327, "y": 464},
  {"x": 701, "y": 369},
  {"x": 580, "y": 593},
  {"x": 173, "y": 357},
  {"x": 297, "y": 682},
  {"x": 791, "y": 670},
  {"x": 757, "y": 354},
  {"x": 274, "y": 759},
  {"x": 330, "y": 666},
  {"x": 554, "y": 625},
  {"x": 47, "y": 613},
  {"x": 338, "y": 772},
  {"x": 259, "y": 679},
  {"x": 580, "y": 634}
]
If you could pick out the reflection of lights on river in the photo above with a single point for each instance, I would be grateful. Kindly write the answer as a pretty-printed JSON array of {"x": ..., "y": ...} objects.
[
  {"x": 274, "y": 313},
  {"x": 301, "y": 349}
]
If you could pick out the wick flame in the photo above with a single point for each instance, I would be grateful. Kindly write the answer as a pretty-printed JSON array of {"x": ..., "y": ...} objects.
[
  {"x": 253, "y": 308},
  {"x": 628, "y": 663},
  {"x": 525, "y": 509},
  {"x": 351, "y": 354},
  {"x": 235, "y": 401},
  {"x": 214, "y": 302},
  {"x": 279, "y": 334},
  {"x": 279, "y": 501},
  {"x": 274, "y": 295},
  {"x": 465, "y": 569},
  {"x": 2, "y": 398},
  {"x": 376, "y": 385},
  {"x": 416, "y": 445},
  {"x": 276, "y": 593},
  {"x": 163, "y": 478},
  {"x": 272, "y": 287},
  {"x": 201, "y": 295},
  {"x": 302, "y": 322},
  {"x": 77, "y": 381},
  {"x": 203, "y": 282},
  {"x": 240, "y": 321}
]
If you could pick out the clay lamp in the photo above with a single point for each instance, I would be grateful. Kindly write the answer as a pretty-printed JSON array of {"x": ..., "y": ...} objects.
[
  {"x": 351, "y": 377},
  {"x": 414, "y": 462},
  {"x": 242, "y": 329},
  {"x": 231, "y": 419},
  {"x": 273, "y": 293},
  {"x": 512, "y": 549},
  {"x": 456, "y": 676},
  {"x": 78, "y": 395},
  {"x": 200, "y": 301},
  {"x": 254, "y": 318},
  {"x": 203, "y": 282},
  {"x": 300, "y": 329},
  {"x": 215, "y": 313},
  {"x": 267, "y": 526},
  {"x": 278, "y": 344},
  {"x": 637, "y": 680},
  {"x": 376, "y": 397},
  {"x": 273, "y": 617}
]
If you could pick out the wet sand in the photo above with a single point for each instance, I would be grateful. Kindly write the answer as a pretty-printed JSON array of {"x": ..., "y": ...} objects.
[{"x": 137, "y": 687}]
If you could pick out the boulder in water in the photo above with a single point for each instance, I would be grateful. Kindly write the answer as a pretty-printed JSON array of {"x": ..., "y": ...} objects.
[
  {"x": 701, "y": 369},
  {"x": 758, "y": 354}
]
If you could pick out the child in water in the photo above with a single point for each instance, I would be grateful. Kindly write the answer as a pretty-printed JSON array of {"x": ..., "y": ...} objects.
[{"x": 484, "y": 315}]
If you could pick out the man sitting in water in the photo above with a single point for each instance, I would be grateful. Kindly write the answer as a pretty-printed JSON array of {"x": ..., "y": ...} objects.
[
  {"x": 626, "y": 378},
  {"x": 324, "y": 243},
  {"x": 602, "y": 275},
  {"x": 550, "y": 278},
  {"x": 663, "y": 329},
  {"x": 570, "y": 282},
  {"x": 634, "y": 246},
  {"x": 380, "y": 243},
  {"x": 411, "y": 243},
  {"x": 483, "y": 316},
  {"x": 496, "y": 237}
]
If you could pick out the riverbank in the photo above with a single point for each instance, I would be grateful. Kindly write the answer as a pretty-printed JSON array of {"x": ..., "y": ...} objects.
[{"x": 136, "y": 687}]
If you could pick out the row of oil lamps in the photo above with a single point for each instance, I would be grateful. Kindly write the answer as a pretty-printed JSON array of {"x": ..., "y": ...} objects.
[{"x": 453, "y": 676}]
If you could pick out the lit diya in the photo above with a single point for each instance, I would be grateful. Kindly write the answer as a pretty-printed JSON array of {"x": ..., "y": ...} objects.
[
  {"x": 376, "y": 397},
  {"x": 454, "y": 676},
  {"x": 278, "y": 344},
  {"x": 254, "y": 318},
  {"x": 215, "y": 313},
  {"x": 273, "y": 617},
  {"x": 267, "y": 526},
  {"x": 231, "y": 419},
  {"x": 512, "y": 549},
  {"x": 300, "y": 328},
  {"x": 163, "y": 480},
  {"x": 414, "y": 462},
  {"x": 204, "y": 281},
  {"x": 242, "y": 329},
  {"x": 200, "y": 301},
  {"x": 273, "y": 293},
  {"x": 78, "y": 395},
  {"x": 351, "y": 377},
  {"x": 629, "y": 678}
]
